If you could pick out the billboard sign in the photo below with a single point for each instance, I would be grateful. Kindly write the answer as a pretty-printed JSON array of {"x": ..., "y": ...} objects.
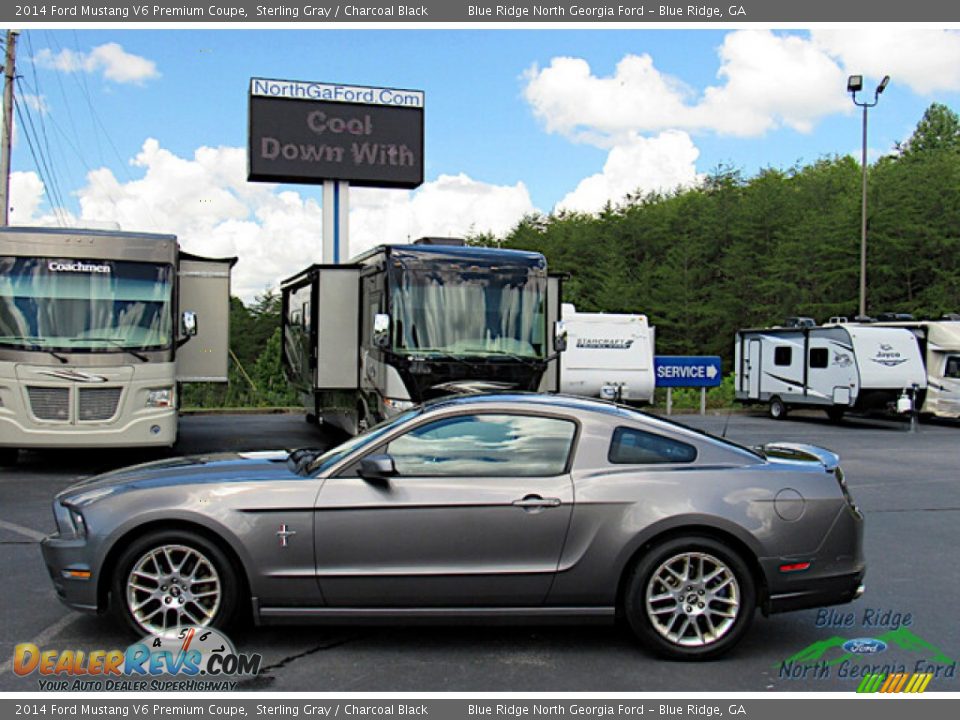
[{"x": 305, "y": 132}]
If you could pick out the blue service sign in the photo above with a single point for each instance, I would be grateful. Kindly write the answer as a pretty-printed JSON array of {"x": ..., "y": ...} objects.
[{"x": 687, "y": 370}]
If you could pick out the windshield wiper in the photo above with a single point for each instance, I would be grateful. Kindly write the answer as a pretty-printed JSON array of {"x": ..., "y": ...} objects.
[
  {"x": 529, "y": 362},
  {"x": 444, "y": 354},
  {"x": 36, "y": 346},
  {"x": 116, "y": 342}
]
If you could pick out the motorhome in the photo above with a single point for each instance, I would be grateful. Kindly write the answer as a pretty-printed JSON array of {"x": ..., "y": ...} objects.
[
  {"x": 837, "y": 368},
  {"x": 97, "y": 328},
  {"x": 402, "y": 324},
  {"x": 939, "y": 342},
  {"x": 608, "y": 355}
]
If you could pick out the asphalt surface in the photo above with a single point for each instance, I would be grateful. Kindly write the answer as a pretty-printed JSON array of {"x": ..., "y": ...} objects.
[{"x": 908, "y": 485}]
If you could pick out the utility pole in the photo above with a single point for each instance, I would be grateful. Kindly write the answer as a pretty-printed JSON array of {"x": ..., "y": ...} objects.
[{"x": 9, "y": 73}]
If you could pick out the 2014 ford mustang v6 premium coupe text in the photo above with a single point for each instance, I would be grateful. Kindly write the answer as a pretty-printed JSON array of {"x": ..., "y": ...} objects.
[{"x": 487, "y": 506}]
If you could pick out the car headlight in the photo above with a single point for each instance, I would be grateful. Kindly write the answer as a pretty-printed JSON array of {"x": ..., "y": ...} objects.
[
  {"x": 70, "y": 521},
  {"x": 397, "y": 405},
  {"x": 160, "y": 397}
]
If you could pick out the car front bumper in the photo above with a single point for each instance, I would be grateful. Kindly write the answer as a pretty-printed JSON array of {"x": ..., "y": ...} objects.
[{"x": 71, "y": 571}]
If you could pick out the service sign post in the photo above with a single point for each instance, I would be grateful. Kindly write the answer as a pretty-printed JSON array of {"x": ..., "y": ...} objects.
[
  {"x": 337, "y": 136},
  {"x": 675, "y": 371}
]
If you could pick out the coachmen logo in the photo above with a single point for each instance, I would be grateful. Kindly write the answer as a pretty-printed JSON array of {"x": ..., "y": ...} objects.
[
  {"x": 74, "y": 376},
  {"x": 77, "y": 267},
  {"x": 887, "y": 356},
  {"x": 603, "y": 344}
]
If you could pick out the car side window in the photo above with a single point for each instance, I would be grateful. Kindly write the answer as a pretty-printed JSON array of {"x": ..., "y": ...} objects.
[
  {"x": 485, "y": 445},
  {"x": 630, "y": 446}
]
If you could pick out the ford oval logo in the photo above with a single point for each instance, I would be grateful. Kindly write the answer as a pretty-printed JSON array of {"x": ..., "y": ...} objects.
[{"x": 865, "y": 646}]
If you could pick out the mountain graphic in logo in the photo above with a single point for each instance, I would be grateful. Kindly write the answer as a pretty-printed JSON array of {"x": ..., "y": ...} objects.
[{"x": 831, "y": 650}]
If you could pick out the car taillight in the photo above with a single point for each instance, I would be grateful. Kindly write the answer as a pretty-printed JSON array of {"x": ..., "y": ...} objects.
[{"x": 838, "y": 473}]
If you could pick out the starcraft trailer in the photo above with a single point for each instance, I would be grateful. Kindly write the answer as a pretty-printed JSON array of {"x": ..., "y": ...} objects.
[
  {"x": 402, "y": 324},
  {"x": 608, "y": 356},
  {"x": 96, "y": 330},
  {"x": 939, "y": 342},
  {"x": 837, "y": 368}
]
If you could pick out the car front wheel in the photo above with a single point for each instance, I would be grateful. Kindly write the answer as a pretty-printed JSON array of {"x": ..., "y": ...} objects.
[
  {"x": 690, "y": 599},
  {"x": 171, "y": 579}
]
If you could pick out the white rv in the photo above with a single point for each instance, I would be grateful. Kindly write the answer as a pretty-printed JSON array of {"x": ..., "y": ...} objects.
[
  {"x": 940, "y": 347},
  {"x": 837, "y": 368},
  {"x": 608, "y": 356},
  {"x": 97, "y": 329}
]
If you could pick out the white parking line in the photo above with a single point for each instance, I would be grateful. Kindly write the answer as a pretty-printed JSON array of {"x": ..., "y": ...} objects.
[
  {"x": 21, "y": 530},
  {"x": 45, "y": 636}
]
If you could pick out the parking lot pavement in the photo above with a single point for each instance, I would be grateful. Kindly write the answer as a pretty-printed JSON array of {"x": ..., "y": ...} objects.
[{"x": 906, "y": 483}]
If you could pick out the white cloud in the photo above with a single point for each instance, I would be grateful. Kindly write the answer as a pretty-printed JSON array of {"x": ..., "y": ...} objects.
[
  {"x": 206, "y": 201},
  {"x": 111, "y": 59},
  {"x": 768, "y": 80},
  {"x": 642, "y": 164},
  {"x": 926, "y": 61}
]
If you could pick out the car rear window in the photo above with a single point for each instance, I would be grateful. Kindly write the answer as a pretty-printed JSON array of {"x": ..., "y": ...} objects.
[{"x": 630, "y": 446}]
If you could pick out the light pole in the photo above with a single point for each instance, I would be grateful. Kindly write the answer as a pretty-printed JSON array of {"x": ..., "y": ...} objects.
[{"x": 855, "y": 85}]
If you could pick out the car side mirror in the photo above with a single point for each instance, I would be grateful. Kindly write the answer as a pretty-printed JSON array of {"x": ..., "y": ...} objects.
[
  {"x": 381, "y": 330},
  {"x": 377, "y": 467},
  {"x": 559, "y": 336},
  {"x": 189, "y": 323}
]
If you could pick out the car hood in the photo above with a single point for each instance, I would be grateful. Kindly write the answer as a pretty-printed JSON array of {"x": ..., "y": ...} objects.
[{"x": 193, "y": 470}]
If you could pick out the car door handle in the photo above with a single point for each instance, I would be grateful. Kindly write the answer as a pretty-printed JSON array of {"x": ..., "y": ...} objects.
[{"x": 532, "y": 502}]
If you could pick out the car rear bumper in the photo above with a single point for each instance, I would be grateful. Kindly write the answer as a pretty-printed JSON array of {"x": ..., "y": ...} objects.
[{"x": 821, "y": 592}]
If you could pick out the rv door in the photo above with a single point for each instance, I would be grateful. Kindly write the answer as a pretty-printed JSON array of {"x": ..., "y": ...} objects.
[
  {"x": 550, "y": 382},
  {"x": 752, "y": 369},
  {"x": 203, "y": 287}
]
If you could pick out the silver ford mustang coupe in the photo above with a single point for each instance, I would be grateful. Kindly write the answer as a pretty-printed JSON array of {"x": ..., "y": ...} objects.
[{"x": 485, "y": 507}]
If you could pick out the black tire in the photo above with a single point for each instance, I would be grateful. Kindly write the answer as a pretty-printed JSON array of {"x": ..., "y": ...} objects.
[
  {"x": 836, "y": 413},
  {"x": 8, "y": 456},
  {"x": 311, "y": 419},
  {"x": 662, "y": 628},
  {"x": 221, "y": 615},
  {"x": 777, "y": 409}
]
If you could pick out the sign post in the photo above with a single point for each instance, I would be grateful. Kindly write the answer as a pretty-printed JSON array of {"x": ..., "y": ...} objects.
[
  {"x": 702, "y": 371},
  {"x": 338, "y": 136}
]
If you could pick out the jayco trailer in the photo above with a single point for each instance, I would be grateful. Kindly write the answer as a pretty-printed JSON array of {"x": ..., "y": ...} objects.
[
  {"x": 836, "y": 368},
  {"x": 608, "y": 356},
  {"x": 939, "y": 342},
  {"x": 96, "y": 330},
  {"x": 401, "y": 324}
]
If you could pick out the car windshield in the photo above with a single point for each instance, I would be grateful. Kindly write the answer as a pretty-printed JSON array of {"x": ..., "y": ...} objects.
[
  {"x": 85, "y": 305},
  {"x": 335, "y": 454},
  {"x": 483, "y": 313}
]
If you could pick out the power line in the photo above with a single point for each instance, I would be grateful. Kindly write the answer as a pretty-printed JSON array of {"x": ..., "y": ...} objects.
[
  {"x": 47, "y": 185},
  {"x": 45, "y": 158}
]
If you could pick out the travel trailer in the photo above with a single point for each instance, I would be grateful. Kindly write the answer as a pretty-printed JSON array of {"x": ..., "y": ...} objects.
[
  {"x": 939, "y": 342},
  {"x": 97, "y": 328},
  {"x": 402, "y": 324},
  {"x": 838, "y": 368},
  {"x": 608, "y": 356}
]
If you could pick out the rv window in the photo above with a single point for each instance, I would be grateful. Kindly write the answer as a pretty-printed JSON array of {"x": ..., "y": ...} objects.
[
  {"x": 782, "y": 355},
  {"x": 953, "y": 367},
  {"x": 819, "y": 357},
  {"x": 636, "y": 447}
]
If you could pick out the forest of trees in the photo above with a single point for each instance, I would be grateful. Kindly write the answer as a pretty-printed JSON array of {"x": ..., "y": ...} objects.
[{"x": 731, "y": 252}]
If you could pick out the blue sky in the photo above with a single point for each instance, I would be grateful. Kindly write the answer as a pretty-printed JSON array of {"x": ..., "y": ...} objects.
[{"x": 517, "y": 120}]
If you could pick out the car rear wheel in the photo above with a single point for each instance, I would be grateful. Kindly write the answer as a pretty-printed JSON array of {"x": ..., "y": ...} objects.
[
  {"x": 171, "y": 579},
  {"x": 778, "y": 409},
  {"x": 690, "y": 598}
]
